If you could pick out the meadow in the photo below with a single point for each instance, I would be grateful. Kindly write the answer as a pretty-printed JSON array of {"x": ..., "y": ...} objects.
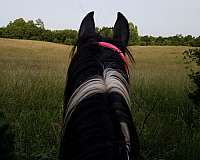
[{"x": 32, "y": 81}]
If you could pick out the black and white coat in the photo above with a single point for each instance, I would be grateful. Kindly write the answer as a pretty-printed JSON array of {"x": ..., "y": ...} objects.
[{"x": 97, "y": 123}]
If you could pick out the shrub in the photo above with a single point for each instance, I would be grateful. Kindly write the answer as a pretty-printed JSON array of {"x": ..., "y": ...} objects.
[
  {"x": 192, "y": 56},
  {"x": 6, "y": 140}
]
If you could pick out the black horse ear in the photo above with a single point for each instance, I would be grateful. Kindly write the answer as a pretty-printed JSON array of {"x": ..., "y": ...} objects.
[
  {"x": 121, "y": 30},
  {"x": 87, "y": 27}
]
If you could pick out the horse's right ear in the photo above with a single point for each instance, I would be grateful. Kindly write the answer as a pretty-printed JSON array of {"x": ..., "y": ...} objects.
[
  {"x": 121, "y": 30},
  {"x": 87, "y": 27}
]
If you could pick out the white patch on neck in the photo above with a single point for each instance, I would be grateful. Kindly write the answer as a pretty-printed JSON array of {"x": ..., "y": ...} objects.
[{"x": 112, "y": 81}]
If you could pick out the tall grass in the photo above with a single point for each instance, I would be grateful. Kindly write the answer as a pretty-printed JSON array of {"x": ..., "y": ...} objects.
[
  {"x": 164, "y": 115},
  {"x": 31, "y": 95}
]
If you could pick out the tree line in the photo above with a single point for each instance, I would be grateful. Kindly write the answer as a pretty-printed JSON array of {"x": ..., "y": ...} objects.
[
  {"x": 30, "y": 30},
  {"x": 35, "y": 30}
]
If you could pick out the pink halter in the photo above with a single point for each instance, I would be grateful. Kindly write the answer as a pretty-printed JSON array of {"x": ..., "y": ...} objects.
[{"x": 114, "y": 48}]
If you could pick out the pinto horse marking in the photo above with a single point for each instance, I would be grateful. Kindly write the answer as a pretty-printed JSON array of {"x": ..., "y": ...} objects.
[{"x": 97, "y": 122}]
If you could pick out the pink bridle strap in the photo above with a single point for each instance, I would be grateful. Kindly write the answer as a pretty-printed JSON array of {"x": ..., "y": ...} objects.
[{"x": 114, "y": 48}]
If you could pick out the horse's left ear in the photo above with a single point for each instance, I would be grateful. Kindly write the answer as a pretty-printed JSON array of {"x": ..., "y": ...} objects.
[
  {"x": 121, "y": 30},
  {"x": 87, "y": 27}
]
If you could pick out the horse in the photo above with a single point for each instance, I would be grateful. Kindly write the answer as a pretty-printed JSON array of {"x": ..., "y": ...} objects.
[{"x": 97, "y": 122}]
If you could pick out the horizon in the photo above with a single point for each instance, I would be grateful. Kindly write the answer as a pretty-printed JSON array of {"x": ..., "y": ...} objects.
[{"x": 155, "y": 18}]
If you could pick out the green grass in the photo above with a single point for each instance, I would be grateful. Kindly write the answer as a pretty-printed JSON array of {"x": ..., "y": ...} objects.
[
  {"x": 160, "y": 86},
  {"x": 31, "y": 96}
]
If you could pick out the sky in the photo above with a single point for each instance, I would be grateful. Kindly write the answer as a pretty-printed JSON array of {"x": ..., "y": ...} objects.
[{"x": 153, "y": 17}]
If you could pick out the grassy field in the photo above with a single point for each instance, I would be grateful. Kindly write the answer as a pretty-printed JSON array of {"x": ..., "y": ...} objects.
[{"x": 32, "y": 79}]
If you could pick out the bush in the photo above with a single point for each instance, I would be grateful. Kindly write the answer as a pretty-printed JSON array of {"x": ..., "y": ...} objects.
[
  {"x": 192, "y": 56},
  {"x": 6, "y": 140}
]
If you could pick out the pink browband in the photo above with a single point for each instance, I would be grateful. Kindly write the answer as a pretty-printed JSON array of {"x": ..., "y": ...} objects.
[{"x": 114, "y": 48}]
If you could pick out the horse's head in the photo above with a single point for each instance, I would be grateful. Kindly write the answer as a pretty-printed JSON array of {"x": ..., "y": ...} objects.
[
  {"x": 95, "y": 53},
  {"x": 109, "y": 52}
]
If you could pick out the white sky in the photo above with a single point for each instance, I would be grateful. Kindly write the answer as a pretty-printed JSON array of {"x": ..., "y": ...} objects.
[{"x": 153, "y": 17}]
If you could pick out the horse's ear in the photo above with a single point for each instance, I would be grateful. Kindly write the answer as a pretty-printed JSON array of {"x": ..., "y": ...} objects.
[
  {"x": 87, "y": 27},
  {"x": 121, "y": 30}
]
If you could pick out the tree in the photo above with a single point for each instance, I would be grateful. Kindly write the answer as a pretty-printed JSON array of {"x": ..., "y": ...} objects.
[
  {"x": 2, "y": 30},
  {"x": 134, "y": 37},
  {"x": 39, "y": 23},
  {"x": 106, "y": 32},
  {"x": 16, "y": 29},
  {"x": 148, "y": 40},
  {"x": 196, "y": 42},
  {"x": 20, "y": 29},
  {"x": 193, "y": 56}
]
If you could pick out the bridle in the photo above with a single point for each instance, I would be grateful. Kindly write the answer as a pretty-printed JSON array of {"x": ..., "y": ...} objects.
[{"x": 115, "y": 49}]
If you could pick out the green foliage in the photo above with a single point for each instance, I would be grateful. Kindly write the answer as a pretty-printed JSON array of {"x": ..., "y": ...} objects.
[
  {"x": 192, "y": 56},
  {"x": 64, "y": 36},
  {"x": 39, "y": 23},
  {"x": 168, "y": 122},
  {"x": 20, "y": 29},
  {"x": 196, "y": 42},
  {"x": 6, "y": 140},
  {"x": 177, "y": 40},
  {"x": 105, "y": 32},
  {"x": 134, "y": 37}
]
